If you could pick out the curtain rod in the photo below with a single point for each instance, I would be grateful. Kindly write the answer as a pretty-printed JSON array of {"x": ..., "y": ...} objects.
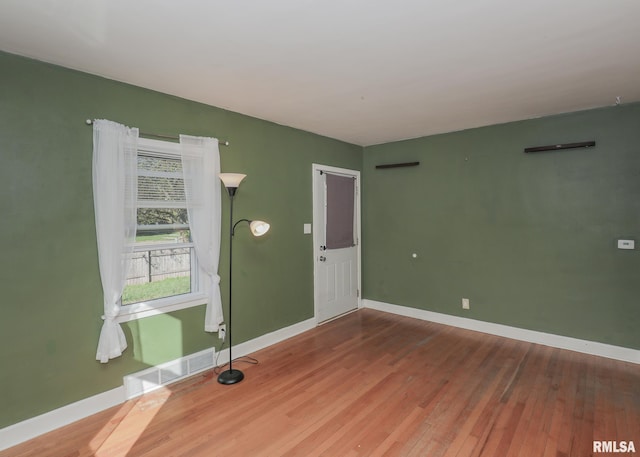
[{"x": 157, "y": 135}]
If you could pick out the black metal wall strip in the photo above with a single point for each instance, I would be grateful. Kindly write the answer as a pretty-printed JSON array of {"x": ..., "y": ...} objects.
[
  {"x": 557, "y": 147},
  {"x": 398, "y": 165}
]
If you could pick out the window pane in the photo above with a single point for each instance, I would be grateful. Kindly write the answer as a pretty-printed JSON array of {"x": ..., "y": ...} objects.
[
  {"x": 160, "y": 179},
  {"x": 163, "y": 225},
  {"x": 156, "y": 216},
  {"x": 158, "y": 273}
]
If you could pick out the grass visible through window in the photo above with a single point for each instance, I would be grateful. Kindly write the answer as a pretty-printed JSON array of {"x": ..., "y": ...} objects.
[
  {"x": 172, "y": 237},
  {"x": 157, "y": 289}
]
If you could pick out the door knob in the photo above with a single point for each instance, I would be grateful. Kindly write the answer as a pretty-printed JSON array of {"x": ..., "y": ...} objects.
[{"x": 322, "y": 258}]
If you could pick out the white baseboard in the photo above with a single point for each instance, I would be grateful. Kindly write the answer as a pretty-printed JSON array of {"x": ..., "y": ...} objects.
[
  {"x": 266, "y": 340},
  {"x": 30, "y": 428},
  {"x": 36, "y": 426},
  {"x": 530, "y": 336}
]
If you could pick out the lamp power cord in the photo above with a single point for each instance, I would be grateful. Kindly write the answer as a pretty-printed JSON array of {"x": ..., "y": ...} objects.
[{"x": 217, "y": 369}]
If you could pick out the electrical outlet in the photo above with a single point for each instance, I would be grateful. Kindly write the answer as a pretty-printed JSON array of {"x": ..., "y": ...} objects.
[
  {"x": 222, "y": 332},
  {"x": 626, "y": 244},
  {"x": 465, "y": 303}
]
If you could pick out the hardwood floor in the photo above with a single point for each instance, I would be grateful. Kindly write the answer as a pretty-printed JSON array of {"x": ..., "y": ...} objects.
[{"x": 374, "y": 384}]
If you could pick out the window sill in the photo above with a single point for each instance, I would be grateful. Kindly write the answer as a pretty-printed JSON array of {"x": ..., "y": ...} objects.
[{"x": 160, "y": 306}]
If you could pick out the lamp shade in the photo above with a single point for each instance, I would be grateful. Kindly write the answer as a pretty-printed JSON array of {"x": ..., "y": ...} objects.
[
  {"x": 231, "y": 180},
  {"x": 258, "y": 228}
]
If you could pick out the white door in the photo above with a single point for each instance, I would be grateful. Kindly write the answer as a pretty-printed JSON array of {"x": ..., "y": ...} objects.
[{"x": 336, "y": 270}]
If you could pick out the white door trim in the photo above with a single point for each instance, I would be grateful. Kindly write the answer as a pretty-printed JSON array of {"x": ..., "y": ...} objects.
[{"x": 315, "y": 170}]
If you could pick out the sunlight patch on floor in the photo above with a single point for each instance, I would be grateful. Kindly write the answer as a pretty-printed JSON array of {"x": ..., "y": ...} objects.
[{"x": 122, "y": 432}]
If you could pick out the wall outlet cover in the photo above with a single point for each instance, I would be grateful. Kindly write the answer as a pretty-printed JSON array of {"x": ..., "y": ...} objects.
[{"x": 626, "y": 244}]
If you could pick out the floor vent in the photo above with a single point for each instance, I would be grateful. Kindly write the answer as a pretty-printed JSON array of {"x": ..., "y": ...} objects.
[{"x": 152, "y": 378}]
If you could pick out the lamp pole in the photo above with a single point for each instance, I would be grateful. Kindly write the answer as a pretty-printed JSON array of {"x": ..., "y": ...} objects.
[{"x": 230, "y": 376}]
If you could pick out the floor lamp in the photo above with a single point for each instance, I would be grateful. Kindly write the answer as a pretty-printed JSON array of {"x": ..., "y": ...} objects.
[{"x": 258, "y": 228}]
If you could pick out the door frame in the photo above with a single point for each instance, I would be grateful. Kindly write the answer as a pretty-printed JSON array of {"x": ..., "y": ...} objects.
[{"x": 315, "y": 170}]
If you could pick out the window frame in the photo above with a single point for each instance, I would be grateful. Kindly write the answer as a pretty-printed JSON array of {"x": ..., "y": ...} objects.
[{"x": 163, "y": 305}]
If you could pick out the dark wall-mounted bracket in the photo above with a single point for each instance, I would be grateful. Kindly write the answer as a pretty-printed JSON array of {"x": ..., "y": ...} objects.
[
  {"x": 557, "y": 147},
  {"x": 398, "y": 165}
]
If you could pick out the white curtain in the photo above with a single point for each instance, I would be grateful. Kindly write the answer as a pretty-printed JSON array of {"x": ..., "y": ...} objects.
[
  {"x": 114, "y": 197},
  {"x": 201, "y": 167}
]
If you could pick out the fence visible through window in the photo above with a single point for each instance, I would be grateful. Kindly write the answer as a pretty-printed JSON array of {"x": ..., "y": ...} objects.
[
  {"x": 156, "y": 265},
  {"x": 158, "y": 273}
]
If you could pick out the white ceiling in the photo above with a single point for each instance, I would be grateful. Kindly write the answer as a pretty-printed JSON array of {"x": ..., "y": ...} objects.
[{"x": 362, "y": 71}]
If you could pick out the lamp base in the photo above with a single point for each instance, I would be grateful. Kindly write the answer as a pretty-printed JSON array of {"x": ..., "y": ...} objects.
[{"x": 230, "y": 377}]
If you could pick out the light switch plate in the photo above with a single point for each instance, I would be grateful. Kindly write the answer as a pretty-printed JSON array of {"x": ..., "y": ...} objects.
[
  {"x": 307, "y": 229},
  {"x": 626, "y": 244}
]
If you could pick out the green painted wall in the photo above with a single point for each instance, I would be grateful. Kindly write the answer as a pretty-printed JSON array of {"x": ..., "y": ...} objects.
[
  {"x": 51, "y": 293},
  {"x": 530, "y": 239}
]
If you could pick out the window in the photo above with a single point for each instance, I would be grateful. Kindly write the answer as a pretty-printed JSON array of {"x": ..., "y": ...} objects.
[{"x": 163, "y": 275}]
